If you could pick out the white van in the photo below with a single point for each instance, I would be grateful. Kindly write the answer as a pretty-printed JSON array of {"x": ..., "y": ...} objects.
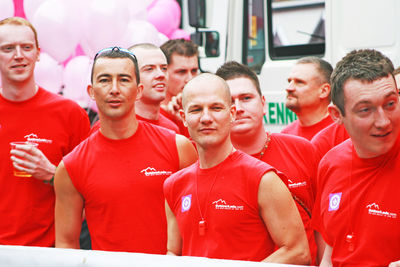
[{"x": 270, "y": 35}]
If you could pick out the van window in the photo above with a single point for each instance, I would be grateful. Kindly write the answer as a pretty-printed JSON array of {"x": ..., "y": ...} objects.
[
  {"x": 296, "y": 28},
  {"x": 254, "y": 33}
]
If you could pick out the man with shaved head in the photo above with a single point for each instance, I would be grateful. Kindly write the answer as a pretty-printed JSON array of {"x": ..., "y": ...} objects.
[{"x": 246, "y": 220}]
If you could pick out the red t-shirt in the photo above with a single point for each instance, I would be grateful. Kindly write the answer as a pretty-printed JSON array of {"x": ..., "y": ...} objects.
[
  {"x": 329, "y": 137},
  {"x": 358, "y": 199},
  {"x": 121, "y": 182},
  {"x": 27, "y": 204},
  {"x": 228, "y": 200},
  {"x": 162, "y": 122},
  {"x": 295, "y": 157},
  {"x": 307, "y": 131}
]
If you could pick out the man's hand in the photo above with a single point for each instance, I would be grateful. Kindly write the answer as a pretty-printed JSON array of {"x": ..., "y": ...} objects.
[
  {"x": 173, "y": 106},
  {"x": 32, "y": 160},
  {"x": 394, "y": 264}
]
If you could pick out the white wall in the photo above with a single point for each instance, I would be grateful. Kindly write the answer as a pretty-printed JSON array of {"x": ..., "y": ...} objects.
[{"x": 18, "y": 256}]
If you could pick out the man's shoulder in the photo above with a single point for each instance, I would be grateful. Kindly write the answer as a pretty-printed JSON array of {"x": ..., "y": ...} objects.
[
  {"x": 338, "y": 155},
  {"x": 59, "y": 102},
  {"x": 291, "y": 140},
  {"x": 291, "y": 128}
]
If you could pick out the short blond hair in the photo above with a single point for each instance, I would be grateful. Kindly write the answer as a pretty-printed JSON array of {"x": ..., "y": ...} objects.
[{"x": 21, "y": 22}]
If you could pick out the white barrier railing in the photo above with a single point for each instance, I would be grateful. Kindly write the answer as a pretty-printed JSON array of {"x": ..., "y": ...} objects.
[{"x": 18, "y": 256}]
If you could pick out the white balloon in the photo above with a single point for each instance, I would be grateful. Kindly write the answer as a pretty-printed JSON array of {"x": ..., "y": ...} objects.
[
  {"x": 163, "y": 38},
  {"x": 140, "y": 31},
  {"x": 56, "y": 36},
  {"x": 30, "y": 7},
  {"x": 76, "y": 79},
  {"x": 6, "y": 9},
  {"x": 48, "y": 73}
]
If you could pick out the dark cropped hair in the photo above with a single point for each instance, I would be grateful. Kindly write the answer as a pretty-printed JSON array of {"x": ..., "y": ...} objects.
[
  {"x": 366, "y": 65},
  {"x": 181, "y": 47},
  {"x": 117, "y": 52},
  {"x": 232, "y": 69}
]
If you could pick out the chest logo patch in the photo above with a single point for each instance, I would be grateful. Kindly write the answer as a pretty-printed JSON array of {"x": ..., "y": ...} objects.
[
  {"x": 186, "y": 202},
  {"x": 374, "y": 209},
  {"x": 221, "y": 204},
  {"x": 334, "y": 201}
]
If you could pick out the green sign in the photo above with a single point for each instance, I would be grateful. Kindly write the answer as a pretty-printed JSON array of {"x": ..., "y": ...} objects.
[{"x": 278, "y": 113}]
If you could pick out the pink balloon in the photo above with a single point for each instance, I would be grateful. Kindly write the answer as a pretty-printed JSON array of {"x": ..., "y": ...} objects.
[
  {"x": 165, "y": 16},
  {"x": 19, "y": 9},
  {"x": 6, "y": 9},
  {"x": 76, "y": 79},
  {"x": 104, "y": 24},
  {"x": 180, "y": 34},
  {"x": 48, "y": 73},
  {"x": 54, "y": 26}
]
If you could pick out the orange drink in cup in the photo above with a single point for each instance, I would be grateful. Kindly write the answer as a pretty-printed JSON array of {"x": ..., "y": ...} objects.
[{"x": 14, "y": 145}]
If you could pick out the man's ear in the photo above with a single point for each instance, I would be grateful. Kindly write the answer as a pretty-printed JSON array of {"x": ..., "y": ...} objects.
[
  {"x": 139, "y": 91},
  {"x": 183, "y": 117},
  {"x": 233, "y": 113},
  {"x": 325, "y": 90},
  {"x": 335, "y": 113},
  {"x": 89, "y": 90},
  {"x": 264, "y": 104}
]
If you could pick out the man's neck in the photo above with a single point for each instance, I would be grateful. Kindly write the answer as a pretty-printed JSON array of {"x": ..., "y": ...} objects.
[
  {"x": 117, "y": 129},
  {"x": 251, "y": 143},
  {"x": 18, "y": 91},
  {"x": 167, "y": 99},
  {"x": 311, "y": 117},
  {"x": 147, "y": 111},
  {"x": 214, "y": 155}
]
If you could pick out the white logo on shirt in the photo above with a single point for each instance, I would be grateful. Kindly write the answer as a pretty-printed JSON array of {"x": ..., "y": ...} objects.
[
  {"x": 221, "y": 205},
  {"x": 34, "y": 138},
  {"x": 334, "y": 201},
  {"x": 186, "y": 202},
  {"x": 149, "y": 171},
  {"x": 374, "y": 209},
  {"x": 295, "y": 185}
]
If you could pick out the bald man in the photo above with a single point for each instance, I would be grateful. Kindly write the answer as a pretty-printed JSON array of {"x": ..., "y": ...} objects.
[{"x": 246, "y": 220}]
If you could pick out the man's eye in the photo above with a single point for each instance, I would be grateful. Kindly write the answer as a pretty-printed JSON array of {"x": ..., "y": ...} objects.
[
  {"x": 27, "y": 47},
  {"x": 7, "y": 48}
]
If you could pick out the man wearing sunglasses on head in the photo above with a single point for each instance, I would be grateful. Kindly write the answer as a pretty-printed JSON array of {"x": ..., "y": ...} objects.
[{"x": 117, "y": 173}]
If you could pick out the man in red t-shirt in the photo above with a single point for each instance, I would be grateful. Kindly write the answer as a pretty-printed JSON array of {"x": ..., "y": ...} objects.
[
  {"x": 328, "y": 138},
  {"x": 154, "y": 77},
  {"x": 356, "y": 209},
  {"x": 183, "y": 64},
  {"x": 30, "y": 113},
  {"x": 308, "y": 95},
  {"x": 117, "y": 173},
  {"x": 228, "y": 205},
  {"x": 292, "y": 155}
]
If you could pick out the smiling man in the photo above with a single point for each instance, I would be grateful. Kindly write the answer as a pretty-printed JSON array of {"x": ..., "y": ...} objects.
[
  {"x": 30, "y": 113},
  {"x": 153, "y": 69},
  {"x": 357, "y": 209},
  {"x": 118, "y": 172},
  {"x": 228, "y": 205}
]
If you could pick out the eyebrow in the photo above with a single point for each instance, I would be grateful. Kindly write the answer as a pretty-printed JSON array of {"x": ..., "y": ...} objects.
[
  {"x": 109, "y": 75},
  {"x": 390, "y": 94}
]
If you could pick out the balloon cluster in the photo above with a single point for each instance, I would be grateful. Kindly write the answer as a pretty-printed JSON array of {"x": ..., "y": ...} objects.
[{"x": 70, "y": 32}]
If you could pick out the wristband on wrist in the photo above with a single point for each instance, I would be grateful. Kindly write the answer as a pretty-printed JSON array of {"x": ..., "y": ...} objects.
[{"x": 50, "y": 182}]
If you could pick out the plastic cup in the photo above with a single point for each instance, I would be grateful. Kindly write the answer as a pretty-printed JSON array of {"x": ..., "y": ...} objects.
[{"x": 19, "y": 173}]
